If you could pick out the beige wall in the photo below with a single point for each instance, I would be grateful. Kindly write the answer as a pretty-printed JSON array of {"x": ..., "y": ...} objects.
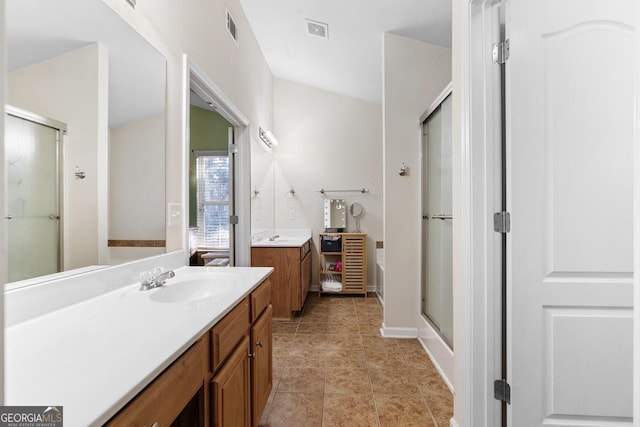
[
  {"x": 414, "y": 75},
  {"x": 73, "y": 89},
  {"x": 197, "y": 28},
  {"x": 136, "y": 166},
  {"x": 331, "y": 141}
]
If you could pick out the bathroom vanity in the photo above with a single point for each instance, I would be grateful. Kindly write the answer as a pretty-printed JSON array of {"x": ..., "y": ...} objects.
[
  {"x": 196, "y": 351},
  {"x": 223, "y": 379},
  {"x": 290, "y": 257}
]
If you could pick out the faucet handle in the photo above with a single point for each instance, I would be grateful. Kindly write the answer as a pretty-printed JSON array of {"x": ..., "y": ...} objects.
[
  {"x": 145, "y": 277},
  {"x": 157, "y": 271}
]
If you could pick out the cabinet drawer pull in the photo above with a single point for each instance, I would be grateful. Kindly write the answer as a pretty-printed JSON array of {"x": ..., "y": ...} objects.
[
  {"x": 156, "y": 424},
  {"x": 260, "y": 343},
  {"x": 251, "y": 355}
]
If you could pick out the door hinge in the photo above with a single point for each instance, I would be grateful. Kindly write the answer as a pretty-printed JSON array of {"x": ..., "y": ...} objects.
[
  {"x": 233, "y": 219},
  {"x": 502, "y": 222},
  {"x": 500, "y": 52},
  {"x": 502, "y": 391}
]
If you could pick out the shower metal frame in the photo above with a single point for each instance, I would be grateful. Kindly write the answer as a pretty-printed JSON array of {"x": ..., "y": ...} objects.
[
  {"x": 61, "y": 131},
  {"x": 447, "y": 92}
]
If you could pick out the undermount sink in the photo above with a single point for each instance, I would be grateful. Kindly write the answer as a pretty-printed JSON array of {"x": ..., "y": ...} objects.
[
  {"x": 283, "y": 241},
  {"x": 191, "y": 289},
  {"x": 280, "y": 242}
]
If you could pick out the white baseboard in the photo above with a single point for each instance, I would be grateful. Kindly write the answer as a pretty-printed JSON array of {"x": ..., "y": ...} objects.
[
  {"x": 379, "y": 298},
  {"x": 370, "y": 289},
  {"x": 393, "y": 332},
  {"x": 447, "y": 380}
]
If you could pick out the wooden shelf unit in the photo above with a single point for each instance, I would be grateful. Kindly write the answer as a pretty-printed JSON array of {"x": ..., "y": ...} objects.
[{"x": 353, "y": 255}]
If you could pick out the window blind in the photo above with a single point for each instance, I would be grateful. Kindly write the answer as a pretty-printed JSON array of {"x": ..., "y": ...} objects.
[{"x": 212, "y": 181}]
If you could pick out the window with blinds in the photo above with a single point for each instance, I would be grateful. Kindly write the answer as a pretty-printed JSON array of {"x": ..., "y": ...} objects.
[{"x": 212, "y": 181}]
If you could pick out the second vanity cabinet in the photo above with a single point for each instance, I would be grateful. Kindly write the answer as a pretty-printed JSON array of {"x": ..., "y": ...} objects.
[
  {"x": 291, "y": 277},
  {"x": 223, "y": 380}
]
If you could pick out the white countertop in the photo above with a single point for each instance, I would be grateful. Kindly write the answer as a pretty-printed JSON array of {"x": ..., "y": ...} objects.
[
  {"x": 94, "y": 356},
  {"x": 288, "y": 242},
  {"x": 281, "y": 238}
]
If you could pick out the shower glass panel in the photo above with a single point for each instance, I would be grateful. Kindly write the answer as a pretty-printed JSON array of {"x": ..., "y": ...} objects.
[
  {"x": 31, "y": 151},
  {"x": 437, "y": 289}
]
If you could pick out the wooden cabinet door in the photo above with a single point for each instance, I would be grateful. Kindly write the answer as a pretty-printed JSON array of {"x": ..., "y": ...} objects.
[
  {"x": 231, "y": 398},
  {"x": 354, "y": 263},
  {"x": 305, "y": 279},
  {"x": 261, "y": 364},
  {"x": 285, "y": 280}
]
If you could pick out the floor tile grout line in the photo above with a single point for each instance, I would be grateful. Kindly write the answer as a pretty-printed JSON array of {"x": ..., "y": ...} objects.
[{"x": 362, "y": 317}]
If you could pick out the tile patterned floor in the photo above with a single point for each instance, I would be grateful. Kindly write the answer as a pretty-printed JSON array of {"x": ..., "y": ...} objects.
[{"x": 332, "y": 368}]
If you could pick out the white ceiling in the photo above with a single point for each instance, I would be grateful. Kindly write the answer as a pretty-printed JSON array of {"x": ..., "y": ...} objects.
[
  {"x": 38, "y": 30},
  {"x": 350, "y": 61}
]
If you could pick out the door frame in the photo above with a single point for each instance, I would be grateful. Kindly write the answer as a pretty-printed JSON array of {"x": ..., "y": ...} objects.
[
  {"x": 636, "y": 229},
  {"x": 476, "y": 276},
  {"x": 477, "y": 254},
  {"x": 194, "y": 76}
]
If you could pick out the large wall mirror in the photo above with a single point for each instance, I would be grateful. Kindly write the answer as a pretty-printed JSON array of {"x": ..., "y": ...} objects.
[
  {"x": 262, "y": 186},
  {"x": 76, "y": 64}
]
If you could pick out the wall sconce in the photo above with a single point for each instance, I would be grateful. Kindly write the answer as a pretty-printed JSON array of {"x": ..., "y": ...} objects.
[
  {"x": 291, "y": 194},
  {"x": 80, "y": 174},
  {"x": 268, "y": 138}
]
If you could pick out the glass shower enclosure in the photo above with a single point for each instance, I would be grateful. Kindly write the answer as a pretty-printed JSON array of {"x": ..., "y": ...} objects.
[
  {"x": 437, "y": 219},
  {"x": 32, "y": 147}
]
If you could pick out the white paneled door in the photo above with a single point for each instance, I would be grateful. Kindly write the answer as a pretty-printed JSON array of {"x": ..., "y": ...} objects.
[{"x": 570, "y": 115}]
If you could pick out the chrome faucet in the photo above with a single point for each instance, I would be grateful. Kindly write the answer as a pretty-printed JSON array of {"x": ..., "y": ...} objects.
[
  {"x": 156, "y": 279},
  {"x": 274, "y": 237}
]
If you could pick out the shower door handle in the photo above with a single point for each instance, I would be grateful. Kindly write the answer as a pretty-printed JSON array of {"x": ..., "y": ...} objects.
[{"x": 442, "y": 217}]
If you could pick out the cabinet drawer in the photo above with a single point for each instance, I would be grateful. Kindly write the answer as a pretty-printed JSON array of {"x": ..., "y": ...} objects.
[
  {"x": 163, "y": 399},
  {"x": 228, "y": 332},
  {"x": 260, "y": 299}
]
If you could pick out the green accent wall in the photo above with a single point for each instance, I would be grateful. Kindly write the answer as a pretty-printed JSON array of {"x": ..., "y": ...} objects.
[{"x": 208, "y": 131}]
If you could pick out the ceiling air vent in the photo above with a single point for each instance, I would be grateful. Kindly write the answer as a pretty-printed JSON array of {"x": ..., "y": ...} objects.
[
  {"x": 319, "y": 29},
  {"x": 232, "y": 28}
]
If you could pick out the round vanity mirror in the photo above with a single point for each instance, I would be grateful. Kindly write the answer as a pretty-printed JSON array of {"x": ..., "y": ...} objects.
[{"x": 356, "y": 210}]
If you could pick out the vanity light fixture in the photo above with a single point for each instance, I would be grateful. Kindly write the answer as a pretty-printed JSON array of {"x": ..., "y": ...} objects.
[{"x": 268, "y": 138}]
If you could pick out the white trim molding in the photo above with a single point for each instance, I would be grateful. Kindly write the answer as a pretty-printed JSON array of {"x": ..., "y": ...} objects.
[
  {"x": 195, "y": 78},
  {"x": 3, "y": 226},
  {"x": 636, "y": 228},
  {"x": 476, "y": 268},
  {"x": 397, "y": 332},
  {"x": 439, "y": 352}
]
